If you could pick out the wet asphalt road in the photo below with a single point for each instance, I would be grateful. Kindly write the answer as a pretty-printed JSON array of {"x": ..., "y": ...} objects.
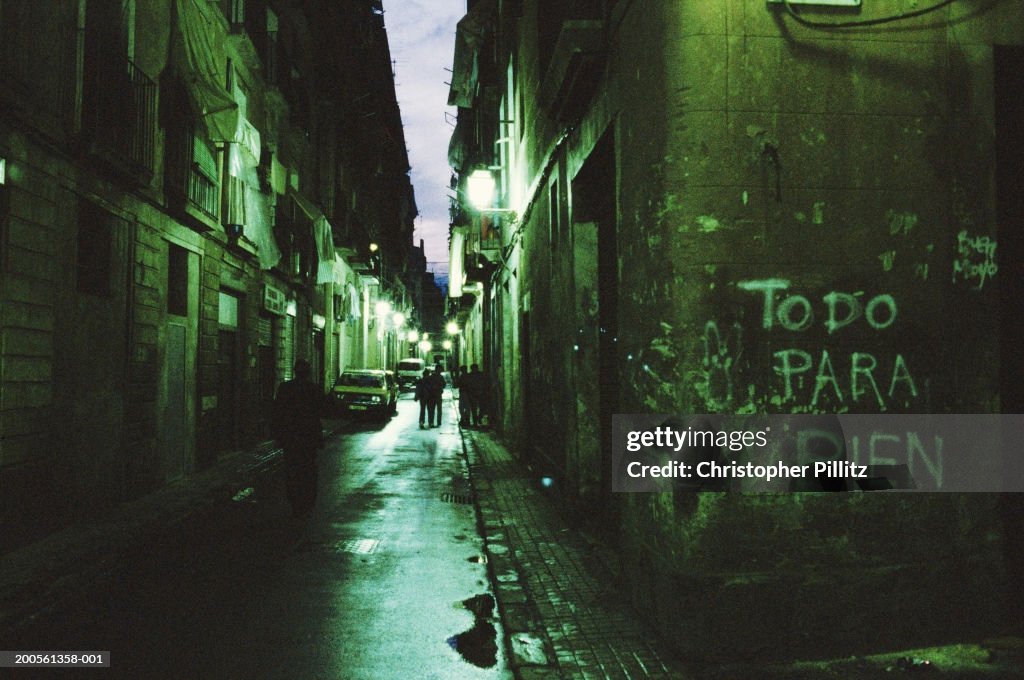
[{"x": 372, "y": 586}]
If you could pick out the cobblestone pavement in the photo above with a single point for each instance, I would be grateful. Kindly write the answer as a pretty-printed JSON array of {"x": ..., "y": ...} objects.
[{"x": 562, "y": 615}]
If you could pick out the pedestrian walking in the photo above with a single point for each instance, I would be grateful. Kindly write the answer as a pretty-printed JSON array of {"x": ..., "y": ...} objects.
[
  {"x": 479, "y": 390},
  {"x": 297, "y": 428},
  {"x": 424, "y": 386},
  {"x": 465, "y": 397},
  {"x": 435, "y": 395}
]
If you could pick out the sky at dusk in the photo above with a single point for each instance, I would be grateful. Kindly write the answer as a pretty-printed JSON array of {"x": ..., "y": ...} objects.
[{"x": 421, "y": 34}]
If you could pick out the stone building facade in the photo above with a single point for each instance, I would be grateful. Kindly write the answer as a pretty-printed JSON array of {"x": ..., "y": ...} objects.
[{"x": 189, "y": 193}]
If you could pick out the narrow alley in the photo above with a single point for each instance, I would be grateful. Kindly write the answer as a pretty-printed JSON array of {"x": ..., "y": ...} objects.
[
  {"x": 723, "y": 298},
  {"x": 371, "y": 587}
]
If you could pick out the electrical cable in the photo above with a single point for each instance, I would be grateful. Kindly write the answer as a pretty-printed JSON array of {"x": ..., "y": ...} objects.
[{"x": 863, "y": 22}]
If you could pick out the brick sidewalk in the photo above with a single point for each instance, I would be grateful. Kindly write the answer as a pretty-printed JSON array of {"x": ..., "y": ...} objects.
[
  {"x": 564, "y": 619},
  {"x": 561, "y": 613}
]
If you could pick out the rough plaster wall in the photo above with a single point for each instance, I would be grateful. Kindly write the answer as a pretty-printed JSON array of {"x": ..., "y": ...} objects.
[{"x": 829, "y": 171}]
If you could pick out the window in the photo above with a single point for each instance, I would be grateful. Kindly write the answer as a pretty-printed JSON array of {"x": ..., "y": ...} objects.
[
  {"x": 234, "y": 10},
  {"x": 203, "y": 187},
  {"x": 95, "y": 242},
  {"x": 227, "y": 311},
  {"x": 177, "y": 280}
]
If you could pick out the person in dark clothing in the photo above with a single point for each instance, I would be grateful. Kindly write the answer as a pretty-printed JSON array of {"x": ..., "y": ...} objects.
[
  {"x": 435, "y": 394},
  {"x": 465, "y": 398},
  {"x": 424, "y": 388},
  {"x": 476, "y": 382},
  {"x": 298, "y": 430}
]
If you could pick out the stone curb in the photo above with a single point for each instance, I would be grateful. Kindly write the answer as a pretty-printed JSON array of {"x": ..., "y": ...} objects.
[{"x": 529, "y": 651}]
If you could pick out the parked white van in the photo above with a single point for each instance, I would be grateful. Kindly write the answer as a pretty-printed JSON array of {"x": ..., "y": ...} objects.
[{"x": 409, "y": 371}]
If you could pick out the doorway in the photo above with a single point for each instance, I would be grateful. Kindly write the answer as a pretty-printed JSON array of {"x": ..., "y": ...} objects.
[{"x": 595, "y": 265}]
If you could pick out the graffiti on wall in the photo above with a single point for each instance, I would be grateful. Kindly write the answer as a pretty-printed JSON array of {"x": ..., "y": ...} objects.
[
  {"x": 808, "y": 379},
  {"x": 975, "y": 259},
  {"x": 719, "y": 364}
]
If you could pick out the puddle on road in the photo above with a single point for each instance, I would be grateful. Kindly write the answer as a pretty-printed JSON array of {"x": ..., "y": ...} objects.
[
  {"x": 244, "y": 494},
  {"x": 479, "y": 644}
]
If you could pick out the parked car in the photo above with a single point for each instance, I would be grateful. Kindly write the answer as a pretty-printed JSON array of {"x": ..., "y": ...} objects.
[
  {"x": 409, "y": 371},
  {"x": 366, "y": 391}
]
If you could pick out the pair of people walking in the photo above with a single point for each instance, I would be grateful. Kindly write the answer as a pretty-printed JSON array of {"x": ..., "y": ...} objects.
[{"x": 429, "y": 392}]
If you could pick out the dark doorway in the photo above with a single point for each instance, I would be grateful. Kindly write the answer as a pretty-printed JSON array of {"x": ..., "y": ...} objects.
[
  {"x": 1009, "y": 112},
  {"x": 594, "y": 208},
  {"x": 266, "y": 371},
  {"x": 227, "y": 369},
  {"x": 526, "y": 380},
  {"x": 1009, "y": 144}
]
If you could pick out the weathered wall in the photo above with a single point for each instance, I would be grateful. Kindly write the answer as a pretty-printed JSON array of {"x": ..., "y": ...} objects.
[
  {"x": 805, "y": 225},
  {"x": 804, "y": 253},
  {"x": 29, "y": 307}
]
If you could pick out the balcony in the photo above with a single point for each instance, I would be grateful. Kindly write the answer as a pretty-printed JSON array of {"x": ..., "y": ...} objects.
[
  {"x": 572, "y": 74},
  {"x": 203, "y": 193},
  {"x": 119, "y": 113},
  {"x": 267, "y": 49}
]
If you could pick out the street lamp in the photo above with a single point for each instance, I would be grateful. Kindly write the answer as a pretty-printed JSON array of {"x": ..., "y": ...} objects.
[
  {"x": 480, "y": 186},
  {"x": 452, "y": 328},
  {"x": 480, "y": 191}
]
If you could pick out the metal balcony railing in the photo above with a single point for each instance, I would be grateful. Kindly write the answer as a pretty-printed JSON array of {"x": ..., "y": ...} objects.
[
  {"x": 119, "y": 111},
  {"x": 142, "y": 143},
  {"x": 203, "y": 192}
]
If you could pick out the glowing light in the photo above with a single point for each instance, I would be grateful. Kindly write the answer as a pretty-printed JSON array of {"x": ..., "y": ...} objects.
[
  {"x": 452, "y": 328},
  {"x": 547, "y": 482},
  {"x": 412, "y": 336},
  {"x": 398, "y": 319},
  {"x": 374, "y": 247},
  {"x": 383, "y": 308},
  {"x": 447, "y": 344},
  {"x": 480, "y": 187},
  {"x": 426, "y": 346}
]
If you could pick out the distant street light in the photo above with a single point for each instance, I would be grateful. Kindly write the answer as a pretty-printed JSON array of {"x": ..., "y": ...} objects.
[
  {"x": 447, "y": 344},
  {"x": 412, "y": 336},
  {"x": 452, "y": 328}
]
